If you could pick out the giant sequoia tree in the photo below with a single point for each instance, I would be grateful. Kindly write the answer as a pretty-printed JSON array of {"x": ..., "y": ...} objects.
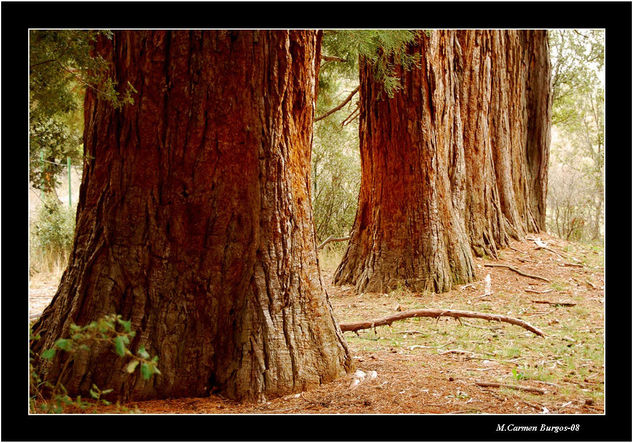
[
  {"x": 194, "y": 220},
  {"x": 408, "y": 229},
  {"x": 455, "y": 160},
  {"x": 505, "y": 112}
]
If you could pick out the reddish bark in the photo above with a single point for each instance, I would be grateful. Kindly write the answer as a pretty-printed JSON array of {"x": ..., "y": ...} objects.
[
  {"x": 456, "y": 160},
  {"x": 506, "y": 109},
  {"x": 408, "y": 229},
  {"x": 194, "y": 220}
]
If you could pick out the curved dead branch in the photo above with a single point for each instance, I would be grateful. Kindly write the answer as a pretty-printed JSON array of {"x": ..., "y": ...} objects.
[{"x": 435, "y": 313}]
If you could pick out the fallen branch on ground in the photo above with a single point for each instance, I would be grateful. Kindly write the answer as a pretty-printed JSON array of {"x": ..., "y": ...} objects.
[
  {"x": 562, "y": 303},
  {"x": 538, "y": 292},
  {"x": 542, "y": 245},
  {"x": 503, "y": 385},
  {"x": 575, "y": 265},
  {"x": 331, "y": 238},
  {"x": 551, "y": 250},
  {"x": 525, "y": 274},
  {"x": 436, "y": 313}
]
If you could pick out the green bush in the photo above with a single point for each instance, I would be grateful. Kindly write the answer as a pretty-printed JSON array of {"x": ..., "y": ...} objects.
[
  {"x": 48, "y": 397},
  {"x": 52, "y": 233}
]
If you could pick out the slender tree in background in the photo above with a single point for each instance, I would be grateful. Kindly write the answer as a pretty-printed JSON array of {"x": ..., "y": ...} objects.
[
  {"x": 457, "y": 159},
  {"x": 194, "y": 220},
  {"x": 576, "y": 196}
]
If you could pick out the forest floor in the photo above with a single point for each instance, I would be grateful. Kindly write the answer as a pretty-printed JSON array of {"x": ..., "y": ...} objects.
[{"x": 432, "y": 366}]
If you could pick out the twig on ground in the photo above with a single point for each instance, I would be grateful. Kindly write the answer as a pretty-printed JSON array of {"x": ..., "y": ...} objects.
[
  {"x": 537, "y": 277},
  {"x": 548, "y": 302},
  {"x": 535, "y": 406},
  {"x": 591, "y": 284},
  {"x": 501, "y": 399},
  {"x": 574, "y": 265},
  {"x": 503, "y": 385},
  {"x": 437, "y": 313},
  {"x": 525, "y": 260},
  {"x": 462, "y": 351},
  {"x": 538, "y": 292},
  {"x": 534, "y": 314},
  {"x": 546, "y": 383},
  {"x": 550, "y": 250}
]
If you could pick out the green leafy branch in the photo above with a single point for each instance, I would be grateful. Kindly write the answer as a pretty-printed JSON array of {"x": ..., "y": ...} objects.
[{"x": 110, "y": 329}]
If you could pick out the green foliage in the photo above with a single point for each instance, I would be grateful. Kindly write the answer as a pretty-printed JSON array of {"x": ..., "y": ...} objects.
[
  {"x": 110, "y": 329},
  {"x": 577, "y": 64},
  {"x": 52, "y": 232},
  {"x": 576, "y": 179},
  {"x": 335, "y": 175},
  {"x": 517, "y": 375},
  {"x": 383, "y": 49},
  {"x": 52, "y": 141},
  {"x": 60, "y": 68}
]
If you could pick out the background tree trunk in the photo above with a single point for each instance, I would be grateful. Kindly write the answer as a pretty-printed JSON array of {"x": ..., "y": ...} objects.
[
  {"x": 408, "y": 229},
  {"x": 483, "y": 217},
  {"x": 506, "y": 110},
  {"x": 194, "y": 220},
  {"x": 456, "y": 160}
]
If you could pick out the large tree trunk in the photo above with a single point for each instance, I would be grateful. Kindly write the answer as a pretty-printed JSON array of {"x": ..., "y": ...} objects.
[
  {"x": 194, "y": 220},
  {"x": 483, "y": 217},
  {"x": 456, "y": 160},
  {"x": 506, "y": 108},
  {"x": 408, "y": 229}
]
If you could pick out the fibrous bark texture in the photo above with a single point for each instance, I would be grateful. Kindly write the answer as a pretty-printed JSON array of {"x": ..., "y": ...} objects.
[
  {"x": 455, "y": 161},
  {"x": 408, "y": 229},
  {"x": 195, "y": 222},
  {"x": 506, "y": 111}
]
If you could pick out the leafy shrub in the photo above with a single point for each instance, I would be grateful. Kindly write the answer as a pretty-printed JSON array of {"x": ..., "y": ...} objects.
[
  {"x": 110, "y": 329},
  {"x": 52, "y": 232}
]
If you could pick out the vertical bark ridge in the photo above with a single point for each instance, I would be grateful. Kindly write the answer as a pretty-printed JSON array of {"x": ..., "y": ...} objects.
[{"x": 506, "y": 111}]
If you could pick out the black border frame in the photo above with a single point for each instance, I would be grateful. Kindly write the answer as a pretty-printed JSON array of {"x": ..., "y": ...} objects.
[{"x": 18, "y": 17}]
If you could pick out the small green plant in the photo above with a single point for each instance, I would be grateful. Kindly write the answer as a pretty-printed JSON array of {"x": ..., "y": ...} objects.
[
  {"x": 517, "y": 375},
  {"x": 111, "y": 329}
]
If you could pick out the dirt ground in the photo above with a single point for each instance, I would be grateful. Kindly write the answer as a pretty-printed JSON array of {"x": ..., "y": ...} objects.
[{"x": 432, "y": 366}]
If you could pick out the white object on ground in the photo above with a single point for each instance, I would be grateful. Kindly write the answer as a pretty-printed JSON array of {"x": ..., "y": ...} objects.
[{"x": 488, "y": 289}]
